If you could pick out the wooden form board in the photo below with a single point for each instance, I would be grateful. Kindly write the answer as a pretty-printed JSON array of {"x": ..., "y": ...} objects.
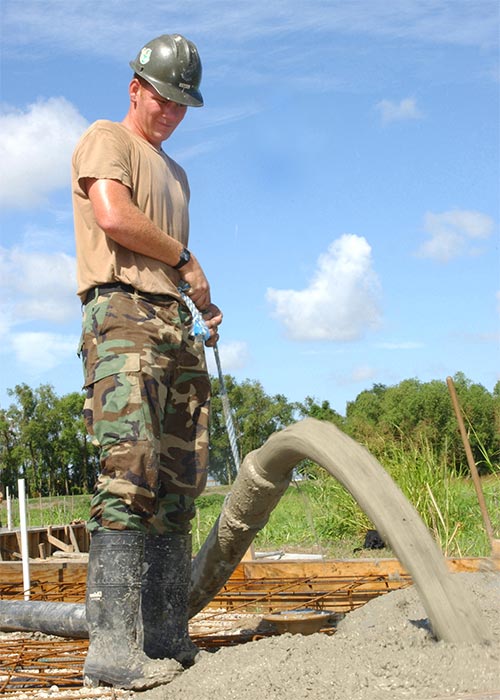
[
  {"x": 44, "y": 541},
  {"x": 50, "y": 580},
  {"x": 353, "y": 568},
  {"x": 254, "y": 586}
]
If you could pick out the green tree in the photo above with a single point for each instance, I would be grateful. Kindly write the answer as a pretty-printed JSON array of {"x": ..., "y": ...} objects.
[
  {"x": 364, "y": 413},
  {"x": 8, "y": 457},
  {"x": 20, "y": 416},
  {"x": 481, "y": 414},
  {"x": 321, "y": 411},
  {"x": 75, "y": 449},
  {"x": 417, "y": 409},
  {"x": 44, "y": 441},
  {"x": 422, "y": 413},
  {"x": 496, "y": 414},
  {"x": 256, "y": 416}
]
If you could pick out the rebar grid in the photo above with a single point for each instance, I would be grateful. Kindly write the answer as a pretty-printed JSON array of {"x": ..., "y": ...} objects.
[
  {"x": 29, "y": 663},
  {"x": 341, "y": 594},
  {"x": 43, "y": 590}
]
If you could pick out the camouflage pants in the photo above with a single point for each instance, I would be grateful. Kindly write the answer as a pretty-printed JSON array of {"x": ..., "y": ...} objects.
[{"x": 147, "y": 405}]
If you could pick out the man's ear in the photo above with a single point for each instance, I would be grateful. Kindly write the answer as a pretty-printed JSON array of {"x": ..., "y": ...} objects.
[{"x": 133, "y": 89}]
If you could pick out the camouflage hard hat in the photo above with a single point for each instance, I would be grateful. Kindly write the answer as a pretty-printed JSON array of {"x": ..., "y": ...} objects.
[{"x": 171, "y": 64}]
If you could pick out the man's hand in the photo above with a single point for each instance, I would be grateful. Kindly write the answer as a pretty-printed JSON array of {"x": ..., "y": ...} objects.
[
  {"x": 199, "y": 289},
  {"x": 212, "y": 316}
]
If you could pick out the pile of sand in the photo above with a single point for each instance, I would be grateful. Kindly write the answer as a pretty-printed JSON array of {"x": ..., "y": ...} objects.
[{"x": 382, "y": 650}]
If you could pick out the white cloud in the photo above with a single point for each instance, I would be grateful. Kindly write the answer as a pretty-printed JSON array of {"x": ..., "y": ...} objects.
[
  {"x": 37, "y": 286},
  {"x": 399, "y": 111},
  {"x": 340, "y": 303},
  {"x": 214, "y": 117},
  {"x": 37, "y": 290},
  {"x": 357, "y": 375},
  {"x": 451, "y": 233},
  {"x": 42, "y": 351},
  {"x": 363, "y": 373},
  {"x": 478, "y": 338},
  {"x": 233, "y": 356},
  {"x": 35, "y": 150},
  {"x": 404, "y": 345}
]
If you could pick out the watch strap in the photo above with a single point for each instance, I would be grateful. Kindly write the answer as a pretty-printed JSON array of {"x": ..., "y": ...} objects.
[{"x": 184, "y": 258}]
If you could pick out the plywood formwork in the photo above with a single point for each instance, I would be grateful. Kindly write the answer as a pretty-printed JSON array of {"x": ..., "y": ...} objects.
[{"x": 53, "y": 579}]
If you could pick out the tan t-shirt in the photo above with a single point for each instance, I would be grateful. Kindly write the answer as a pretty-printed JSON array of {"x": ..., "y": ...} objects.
[{"x": 159, "y": 187}]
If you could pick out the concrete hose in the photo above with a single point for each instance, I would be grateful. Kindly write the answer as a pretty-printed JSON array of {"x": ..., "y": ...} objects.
[{"x": 263, "y": 478}]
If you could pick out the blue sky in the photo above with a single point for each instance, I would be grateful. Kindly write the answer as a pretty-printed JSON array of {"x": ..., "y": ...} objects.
[{"x": 344, "y": 175}]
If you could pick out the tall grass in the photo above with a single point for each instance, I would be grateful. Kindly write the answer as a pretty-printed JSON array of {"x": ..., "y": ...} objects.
[
  {"x": 446, "y": 501},
  {"x": 51, "y": 510}
]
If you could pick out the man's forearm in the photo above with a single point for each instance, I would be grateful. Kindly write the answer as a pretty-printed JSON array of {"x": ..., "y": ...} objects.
[{"x": 127, "y": 225}]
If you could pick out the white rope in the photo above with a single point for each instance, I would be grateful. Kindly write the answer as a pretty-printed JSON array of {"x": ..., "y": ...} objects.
[{"x": 202, "y": 332}]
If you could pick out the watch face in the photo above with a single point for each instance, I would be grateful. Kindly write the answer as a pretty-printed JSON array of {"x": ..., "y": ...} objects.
[{"x": 184, "y": 257}]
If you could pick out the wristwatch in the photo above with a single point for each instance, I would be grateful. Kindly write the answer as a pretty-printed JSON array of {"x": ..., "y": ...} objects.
[{"x": 184, "y": 258}]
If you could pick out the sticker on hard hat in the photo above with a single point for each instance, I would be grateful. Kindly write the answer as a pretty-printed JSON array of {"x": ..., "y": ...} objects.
[
  {"x": 145, "y": 56},
  {"x": 184, "y": 86}
]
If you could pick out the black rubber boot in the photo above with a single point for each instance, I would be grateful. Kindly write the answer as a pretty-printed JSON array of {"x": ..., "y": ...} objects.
[
  {"x": 165, "y": 596},
  {"x": 115, "y": 655}
]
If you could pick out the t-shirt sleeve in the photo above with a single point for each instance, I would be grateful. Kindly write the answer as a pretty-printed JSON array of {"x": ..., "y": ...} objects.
[{"x": 103, "y": 153}]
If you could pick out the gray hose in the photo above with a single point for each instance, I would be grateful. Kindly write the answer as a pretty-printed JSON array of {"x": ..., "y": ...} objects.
[{"x": 262, "y": 480}]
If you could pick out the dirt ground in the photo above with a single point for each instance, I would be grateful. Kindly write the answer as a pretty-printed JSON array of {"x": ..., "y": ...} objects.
[{"x": 383, "y": 650}]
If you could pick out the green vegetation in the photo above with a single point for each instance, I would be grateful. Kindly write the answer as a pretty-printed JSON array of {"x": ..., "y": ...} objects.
[{"x": 48, "y": 510}]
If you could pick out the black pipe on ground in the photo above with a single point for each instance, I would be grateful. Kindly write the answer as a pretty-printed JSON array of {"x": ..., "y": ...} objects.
[{"x": 61, "y": 619}]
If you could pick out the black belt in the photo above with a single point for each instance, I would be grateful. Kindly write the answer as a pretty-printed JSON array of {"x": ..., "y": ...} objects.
[{"x": 111, "y": 287}]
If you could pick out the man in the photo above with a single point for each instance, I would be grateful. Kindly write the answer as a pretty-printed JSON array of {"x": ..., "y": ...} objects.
[{"x": 147, "y": 385}]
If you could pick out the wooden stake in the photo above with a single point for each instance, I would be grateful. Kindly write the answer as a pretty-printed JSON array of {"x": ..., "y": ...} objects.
[{"x": 494, "y": 543}]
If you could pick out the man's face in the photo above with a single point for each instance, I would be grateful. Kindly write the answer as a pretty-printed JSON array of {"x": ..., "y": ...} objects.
[{"x": 155, "y": 117}]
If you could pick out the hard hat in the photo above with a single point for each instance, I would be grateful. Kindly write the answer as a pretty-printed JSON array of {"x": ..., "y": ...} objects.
[{"x": 171, "y": 64}]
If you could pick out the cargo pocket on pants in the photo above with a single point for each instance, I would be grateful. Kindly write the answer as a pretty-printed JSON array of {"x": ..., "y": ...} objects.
[{"x": 117, "y": 407}]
